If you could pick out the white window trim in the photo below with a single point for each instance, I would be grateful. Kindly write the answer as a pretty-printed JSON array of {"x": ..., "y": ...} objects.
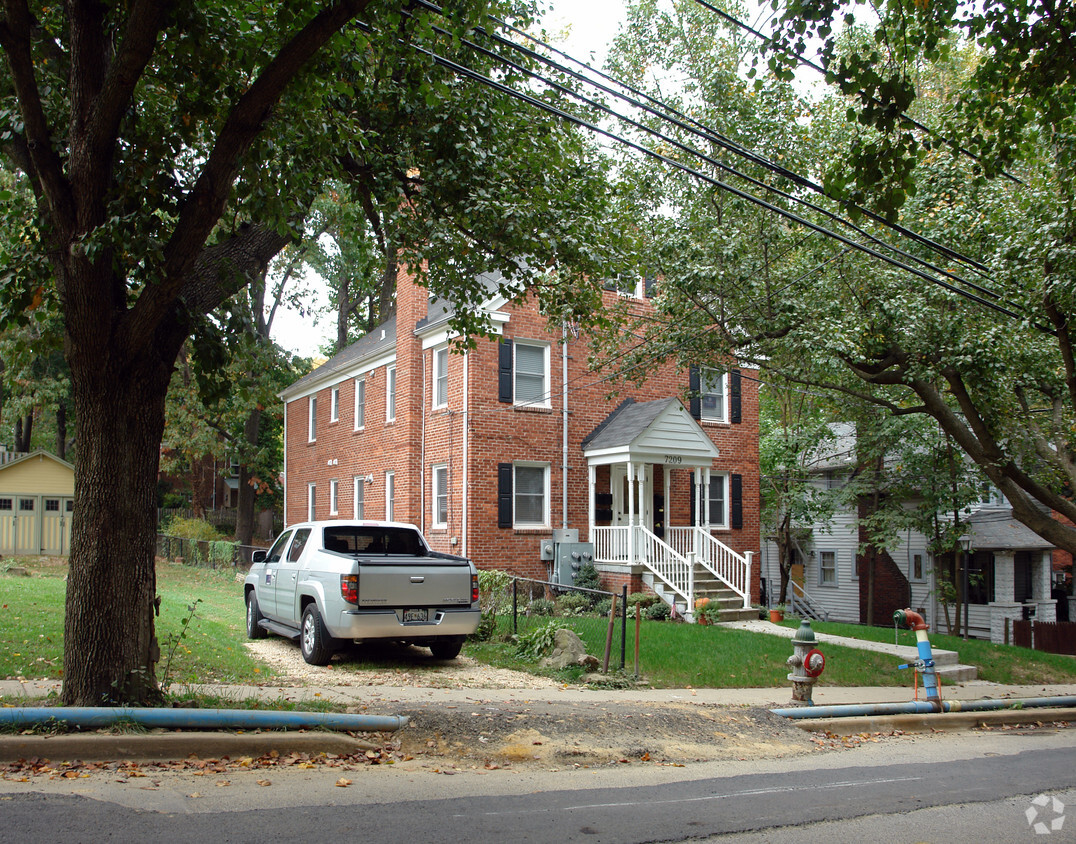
[
  {"x": 311, "y": 501},
  {"x": 358, "y": 497},
  {"x": 312, "y": 419},
  {"x": 390, "y": 496},
  {"x": 836, "y": 568},
  {"x": 709, "y": 416},
  {"x": 727, "y": 503},
  {"x": 360, "y": 406},
  {"x": 435, "y": 470},
  {"x": 334, "y": 405},
  {"x": 334, "y": 497},
  {"x": 545, "y": 495},
  {"x": 390, "y": 394},
  {"x": 546, "y": 400},
  {"x": 439, "y": 352}
]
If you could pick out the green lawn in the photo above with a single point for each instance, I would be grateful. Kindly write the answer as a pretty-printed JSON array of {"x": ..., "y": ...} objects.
[
  {"x": 32, "y": 610},
  {"x": 996, "y": 663}
]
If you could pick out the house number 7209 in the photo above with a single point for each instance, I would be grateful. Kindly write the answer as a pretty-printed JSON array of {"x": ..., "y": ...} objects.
[{"x": 674, "y": 458}]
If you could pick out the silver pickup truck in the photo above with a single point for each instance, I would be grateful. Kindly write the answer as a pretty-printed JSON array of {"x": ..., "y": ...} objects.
[{"x": 327, "y": 583}]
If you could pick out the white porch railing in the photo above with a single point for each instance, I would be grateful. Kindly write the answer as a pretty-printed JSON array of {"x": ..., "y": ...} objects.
[
  {"x": 801, "y": 604},
  {"x": 669, "y": 559}
]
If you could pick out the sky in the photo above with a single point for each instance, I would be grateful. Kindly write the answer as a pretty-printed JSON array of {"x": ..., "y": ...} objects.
[{"x": 589, "y": 25}]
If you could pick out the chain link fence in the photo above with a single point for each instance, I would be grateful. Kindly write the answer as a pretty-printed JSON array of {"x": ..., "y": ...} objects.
[
  {"x": 211, "y": 553},
  {"x": 516, "y": 606}
]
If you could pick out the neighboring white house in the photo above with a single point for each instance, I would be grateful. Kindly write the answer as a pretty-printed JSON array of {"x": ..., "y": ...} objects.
[{"x": 1010, "y": 569}]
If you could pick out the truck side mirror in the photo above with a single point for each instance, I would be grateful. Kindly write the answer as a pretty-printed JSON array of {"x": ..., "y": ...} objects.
[{"x": 257, "y": 557}]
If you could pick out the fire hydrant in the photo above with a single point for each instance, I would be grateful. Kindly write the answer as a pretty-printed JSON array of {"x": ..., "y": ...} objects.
[{"x": 806, "y": 663}]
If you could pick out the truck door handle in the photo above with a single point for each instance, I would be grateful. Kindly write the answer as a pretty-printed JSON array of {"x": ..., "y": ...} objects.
[{"x": 417, "y": 578}]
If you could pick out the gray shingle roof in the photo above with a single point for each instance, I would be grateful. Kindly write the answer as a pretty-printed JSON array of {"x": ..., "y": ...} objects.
[
  {"x": 381, "y": 339},
  {"x": 625, "y": 423},
  {"x": 995, "y": 528}
]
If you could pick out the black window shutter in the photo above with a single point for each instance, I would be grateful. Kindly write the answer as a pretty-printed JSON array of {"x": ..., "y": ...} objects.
[
  {"x": 734, "y": 397},
  {"x": 648, "y": 286},
  {"x": 504, "y": 495},
  {"x": 736, "y": 501},
  {"x": 504, "y": 372},
  {"x": 693, "y": 494},
  {"x": 693, "y": 386}
]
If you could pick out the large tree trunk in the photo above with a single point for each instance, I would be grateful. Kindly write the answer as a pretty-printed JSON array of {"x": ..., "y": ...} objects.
[
  {"x": 61, "y": 430},
  {"x": 110, "y": 648},
  {"x": 24, "y": 429},
  {"x": 244, "y": 520}
]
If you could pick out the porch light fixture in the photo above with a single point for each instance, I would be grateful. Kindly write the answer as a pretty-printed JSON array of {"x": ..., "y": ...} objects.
[{"x": 965, "y": 543}]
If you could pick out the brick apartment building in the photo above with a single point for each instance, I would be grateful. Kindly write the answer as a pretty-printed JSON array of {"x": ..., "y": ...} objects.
[{"x": 489, "y": 450}]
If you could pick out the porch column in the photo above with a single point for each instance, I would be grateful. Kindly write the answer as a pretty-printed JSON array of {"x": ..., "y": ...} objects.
[
  {"x": 592, "y": 482},
  {"x": 1004, "y": 607},
  {"x": 1041, "y": 570},
  {"x": 631, "y": 514},
  {"x": 706, "y": 497}
]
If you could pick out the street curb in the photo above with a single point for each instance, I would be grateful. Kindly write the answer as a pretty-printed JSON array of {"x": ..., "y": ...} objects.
[
  {"x": 170, "y": 746},
  {"x": 923, "y": 723}
]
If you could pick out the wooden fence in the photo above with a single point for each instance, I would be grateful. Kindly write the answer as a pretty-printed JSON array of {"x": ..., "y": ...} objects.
[{"x": 1056, "y": 637}]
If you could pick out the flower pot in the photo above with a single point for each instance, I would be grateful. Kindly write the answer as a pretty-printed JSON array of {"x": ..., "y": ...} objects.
[{"x": 776, "y": 615}]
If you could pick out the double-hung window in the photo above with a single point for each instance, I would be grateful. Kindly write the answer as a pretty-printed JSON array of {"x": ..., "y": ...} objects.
[
  {"x": 390, "y": 495},
  {"x": 312, "y": 420},
  {"x": 360, "y": 404},
  {"x": 714, "y": 395},
  {"x": 390, "y": 394},
  {"x": 359, "y": 496},
  {"x": 334, "y": 405},
  {"x": 530, "y": 499},
  {"x": 827, "y": 568},
  {"x": 311, "y": 497},
  {"x": 440, "y": 496},
  {"x": 532, "y": 374},
  {"x": 440, "y": 377},
  {"x": 334, "y": 497},
  {"x": 718, "y": 502}
]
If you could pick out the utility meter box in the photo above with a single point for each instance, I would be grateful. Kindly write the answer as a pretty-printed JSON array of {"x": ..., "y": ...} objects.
[{"x": 570, "y": 558}]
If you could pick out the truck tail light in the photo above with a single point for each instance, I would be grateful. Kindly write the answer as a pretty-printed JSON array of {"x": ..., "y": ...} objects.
[
  {"x": 474, "y": 588},
  {"x": 349, "y": 588}
]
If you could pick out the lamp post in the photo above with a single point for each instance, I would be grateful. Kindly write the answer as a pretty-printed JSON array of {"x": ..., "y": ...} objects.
[{"x": 965, "y": 545}]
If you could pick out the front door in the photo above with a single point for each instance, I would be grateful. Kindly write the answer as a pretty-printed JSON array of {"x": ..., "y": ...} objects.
[
  {"x": 642, "y": 506},
  {"x": 56, "y": 525}
]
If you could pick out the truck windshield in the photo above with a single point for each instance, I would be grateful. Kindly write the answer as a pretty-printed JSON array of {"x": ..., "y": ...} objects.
[{"x": 374, "y": 540}]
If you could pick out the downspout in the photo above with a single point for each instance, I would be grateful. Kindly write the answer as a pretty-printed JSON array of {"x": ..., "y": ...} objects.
[
  {"x": 422, "y": 453},
  {"x": 465, "y": 492},
  {"x": 564, "y": 428},
  {"x": 95, "y": 717}
]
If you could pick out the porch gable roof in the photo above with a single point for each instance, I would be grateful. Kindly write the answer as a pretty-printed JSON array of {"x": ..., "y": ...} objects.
[{"x": 659, "y": 431}]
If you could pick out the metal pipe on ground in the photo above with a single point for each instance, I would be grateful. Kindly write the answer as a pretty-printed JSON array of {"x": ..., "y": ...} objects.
[
  {"x": 923, "y": 707},
  {"x": 93, "y": 717}
]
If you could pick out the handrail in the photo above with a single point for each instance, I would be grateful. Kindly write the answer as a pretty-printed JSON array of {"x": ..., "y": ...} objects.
[{"x": 806, "y": 601}]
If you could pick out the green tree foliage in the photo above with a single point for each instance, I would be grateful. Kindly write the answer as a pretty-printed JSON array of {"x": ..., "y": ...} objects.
[{"x": 172, "y": 150}]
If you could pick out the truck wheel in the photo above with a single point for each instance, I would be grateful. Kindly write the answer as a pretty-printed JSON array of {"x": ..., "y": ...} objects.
[
  {"x": 314, "y": 641},
  {"x": 448, "y": 649},
  {"x": 254, "y": 615}
]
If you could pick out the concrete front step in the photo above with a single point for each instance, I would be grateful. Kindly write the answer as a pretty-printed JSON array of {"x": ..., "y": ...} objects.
[{"x": 957, "y": 673}]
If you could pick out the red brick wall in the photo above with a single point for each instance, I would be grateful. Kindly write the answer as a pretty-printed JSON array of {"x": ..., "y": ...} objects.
[
  {"x": 892, "y": 591},
  {"x": 498, "y": 433}
]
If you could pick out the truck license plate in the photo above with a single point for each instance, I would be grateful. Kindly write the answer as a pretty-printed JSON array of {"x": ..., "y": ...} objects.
[{"x": 415, "y": 615}]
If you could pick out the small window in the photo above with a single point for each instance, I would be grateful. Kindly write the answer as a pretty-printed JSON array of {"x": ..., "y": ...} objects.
[
  {"x": 311, "y": 496},
  {"x": 70, "y": 506},
  {"x": 6, "y": 504},
  {"x": 360, "y": 495},
  {"x": 390, "y": 394},
  {"x": 713, "y": 395},
  {"x": 52, "y": 505},
  {"x": 530, "y": 495},
  {"x": 301, "y": 537},
  {"x": 312, "y": 428},
  {"x": 440, "y": 496},
  {"x": 531, "y": 374},
  {"x": 26, "y": 505},
  {"x": 334, "y": 405},
  {"x": 827, "y": 568},
  {"x": 917, "y": 567},
  {"x": 440, "y": 377},
  {"x": 334, "y": 497},
  {"x": 390, "y": 495},
  {"x": 360, "y": 404}
]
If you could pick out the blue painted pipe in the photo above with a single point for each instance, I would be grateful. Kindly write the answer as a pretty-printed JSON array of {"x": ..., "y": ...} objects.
[
  {"x": 912, "y": 707},
  {"x": 92, "y": 717}
]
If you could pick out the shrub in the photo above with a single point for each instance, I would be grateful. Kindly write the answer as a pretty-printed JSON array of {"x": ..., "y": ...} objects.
[
  {"x": 541, "y": 606},
  {"x": 574, "y": 603},
  {"x": 711, "y": 612},
  {"x": 192, "y": 529},
  {"x": 658, "y": 612},
  {"x": 603, "y": 606},
  {"x": 495, "y": 596},
  {"x": 588, "y": 577},
  {"x": 642, "y": 599}
]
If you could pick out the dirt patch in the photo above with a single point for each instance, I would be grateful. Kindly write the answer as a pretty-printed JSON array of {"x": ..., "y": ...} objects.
[{"x": 537, "y": 732}]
